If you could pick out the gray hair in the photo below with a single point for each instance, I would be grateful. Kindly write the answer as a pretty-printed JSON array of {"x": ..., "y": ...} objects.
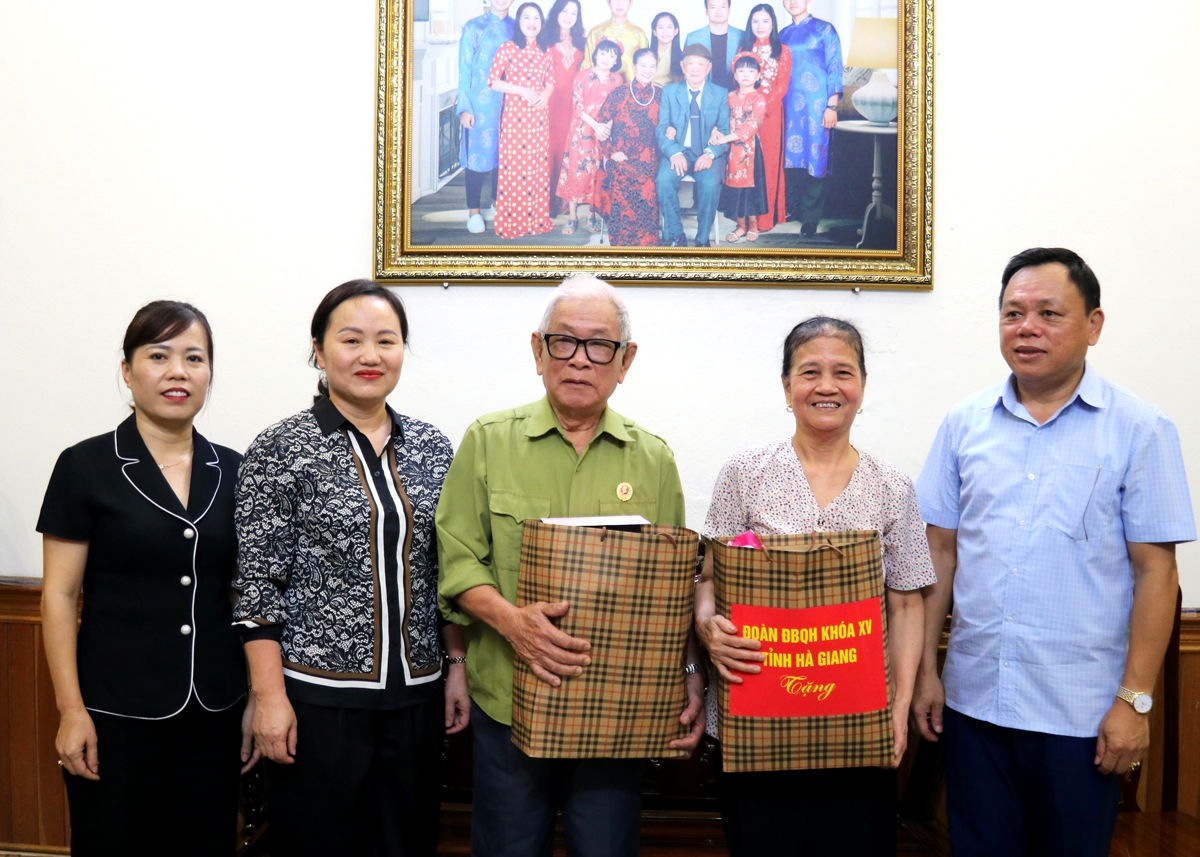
[
  {"x": 588, "y": 287},
  {"x": 822, "y": 325}
]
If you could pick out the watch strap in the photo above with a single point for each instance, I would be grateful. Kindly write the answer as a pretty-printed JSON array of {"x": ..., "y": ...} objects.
[{"x": 1131, "y": 696}]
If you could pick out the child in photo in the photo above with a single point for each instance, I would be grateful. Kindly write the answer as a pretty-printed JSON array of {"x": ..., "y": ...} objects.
[
  {"x": 744, "y": 195},
  {"x": 581, "y": 160}
]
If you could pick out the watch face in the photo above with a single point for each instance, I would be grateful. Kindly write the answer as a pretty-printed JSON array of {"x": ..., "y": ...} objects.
[{"x": 1142, "y": 704}]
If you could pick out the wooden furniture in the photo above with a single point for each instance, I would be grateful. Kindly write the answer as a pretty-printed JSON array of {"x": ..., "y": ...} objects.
[
  {"x": 34, "y": 817},
  {"x": 879, "y": 221},
  {"x": 33, "y": 802}
]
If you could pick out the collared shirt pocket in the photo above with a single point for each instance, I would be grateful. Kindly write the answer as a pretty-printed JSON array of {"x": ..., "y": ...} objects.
[
  {"x": 648, "y": 509},
  {"x": 509, "y": 511},
  {"x": 1082, "y": 503}
]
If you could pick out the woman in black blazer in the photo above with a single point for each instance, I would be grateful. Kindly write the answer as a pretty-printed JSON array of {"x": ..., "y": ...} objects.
[{"x": 141, "y": 519}]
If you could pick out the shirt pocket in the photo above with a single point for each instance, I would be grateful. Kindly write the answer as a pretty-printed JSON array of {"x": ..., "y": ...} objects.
[
  {"x": 509, "y": 511},
  {"x": 648, "y": 509},
  {"x": 1082, "y": 502}
]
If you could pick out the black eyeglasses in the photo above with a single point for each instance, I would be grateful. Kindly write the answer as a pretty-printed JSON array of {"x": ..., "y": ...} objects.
[{"x": 563, "y": 347}]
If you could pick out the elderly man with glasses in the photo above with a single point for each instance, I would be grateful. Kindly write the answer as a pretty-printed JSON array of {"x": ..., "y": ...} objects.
[{"x": 567, "y": 455}]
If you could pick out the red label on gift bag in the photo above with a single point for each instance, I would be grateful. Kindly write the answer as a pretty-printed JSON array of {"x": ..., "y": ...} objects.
[{"x": 820, "y": 660}]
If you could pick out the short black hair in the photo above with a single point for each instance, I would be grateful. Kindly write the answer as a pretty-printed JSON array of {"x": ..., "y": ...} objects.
[
  {"x": 746, "y": 62},
  {"x": 610, "y": 46},
  {"x": 339, "y": 295},
  {"x": 1078, "y": 271}
]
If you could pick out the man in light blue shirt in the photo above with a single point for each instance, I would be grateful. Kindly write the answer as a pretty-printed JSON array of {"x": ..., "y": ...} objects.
[{"x": 1053, "y": 503}]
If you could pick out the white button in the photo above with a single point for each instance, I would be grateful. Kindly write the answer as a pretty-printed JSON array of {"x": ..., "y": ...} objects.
[
  {"x": 1031, "y": 476},
  {"x": 1006, "y": 663},
  {"x": 185, "y": 581},
  {"x": 1022, "y": 522},
  {"x": 185, "y": 630},
  {"x": 1010, "y": 618},
  {"x": 1014, "y": 569},
  {"x": 189, "y": 533}
]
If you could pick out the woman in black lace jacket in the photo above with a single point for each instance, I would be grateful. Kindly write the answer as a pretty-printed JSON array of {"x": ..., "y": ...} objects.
[{"x": 337, "y": 576}]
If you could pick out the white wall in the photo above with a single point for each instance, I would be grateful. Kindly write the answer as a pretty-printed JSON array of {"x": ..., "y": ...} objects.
[{"x": 223, "y": 153}]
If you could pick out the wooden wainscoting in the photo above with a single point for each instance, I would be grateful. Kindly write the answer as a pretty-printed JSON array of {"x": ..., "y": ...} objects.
[
  {"x": 33, "y": 806},
  {"x": 1189, "y": 712},
  {"x": 33, "y": 802}
]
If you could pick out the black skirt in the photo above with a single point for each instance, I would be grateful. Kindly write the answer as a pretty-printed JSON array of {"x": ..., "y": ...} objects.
[
  {"x": 166, "y": 786},
  {"x": 738, "y": 202}
]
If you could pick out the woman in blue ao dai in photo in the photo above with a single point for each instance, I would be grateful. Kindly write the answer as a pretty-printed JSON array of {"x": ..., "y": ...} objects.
[
  {"x": 810, "y": 110},
  {"x": 480, "y": 149}
]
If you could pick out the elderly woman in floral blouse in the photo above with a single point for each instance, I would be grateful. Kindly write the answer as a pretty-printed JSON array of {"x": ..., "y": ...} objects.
[{"x": 816, "y": 481}]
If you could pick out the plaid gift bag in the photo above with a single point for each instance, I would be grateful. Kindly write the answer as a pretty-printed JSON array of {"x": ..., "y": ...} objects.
[
  {"x": 631, "y": 596},
  {"x": 816, "y": 661}
]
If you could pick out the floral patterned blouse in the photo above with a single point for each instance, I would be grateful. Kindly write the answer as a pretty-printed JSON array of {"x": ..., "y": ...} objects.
[
  {"x": 764, "y": 489},
  {"x": 581, "y": 158},
  {"x": 746, "y": 114}
]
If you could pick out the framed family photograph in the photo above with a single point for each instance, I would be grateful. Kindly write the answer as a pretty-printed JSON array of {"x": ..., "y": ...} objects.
[{"x": 709, "y": 142}]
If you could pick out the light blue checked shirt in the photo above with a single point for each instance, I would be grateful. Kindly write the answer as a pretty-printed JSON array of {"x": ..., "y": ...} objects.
[{"x": 1044, "y": 585}]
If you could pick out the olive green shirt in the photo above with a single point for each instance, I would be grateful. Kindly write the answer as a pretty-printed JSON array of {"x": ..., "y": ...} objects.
[{"x": 519, "y": 464}]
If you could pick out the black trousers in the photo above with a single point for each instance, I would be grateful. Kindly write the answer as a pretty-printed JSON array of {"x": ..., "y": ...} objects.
[
  {"x": 517, "y": 797},
  {"x": 829, "y": 812},
  {"x": 166, "y": 786},
  {"x": 805, "y": 196},
  {"x": 1013, "y": 792},
  {"x": 475, "y": 183},
  {"x": 364, "y": 782}
]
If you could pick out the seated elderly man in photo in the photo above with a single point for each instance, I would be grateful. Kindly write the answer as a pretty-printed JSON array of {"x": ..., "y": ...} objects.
[
  {"x": 691, "y": 109},
  {"x": 1054, "y": 501},
  {"x": 566, "y": 455}
]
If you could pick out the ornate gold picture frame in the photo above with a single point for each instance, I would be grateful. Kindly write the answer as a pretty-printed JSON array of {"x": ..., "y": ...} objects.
[{"x": 876, "y": 229}]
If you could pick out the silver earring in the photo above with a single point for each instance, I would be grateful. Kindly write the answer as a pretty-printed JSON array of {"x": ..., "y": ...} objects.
[{"x": 860, "y": 409}]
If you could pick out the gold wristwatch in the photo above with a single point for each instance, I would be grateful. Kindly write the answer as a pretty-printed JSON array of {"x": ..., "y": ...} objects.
[{"x": 1141, "y": 701}]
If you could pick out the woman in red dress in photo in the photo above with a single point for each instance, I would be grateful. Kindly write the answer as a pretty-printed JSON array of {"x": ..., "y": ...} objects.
[
  {"x": 563, "y": 38},
  {"x": 522, "y": 71},
  {"x": 761, "y": 41},
  {"x": 581, "y": 161},
  {"x": 632, "y": 110}
]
